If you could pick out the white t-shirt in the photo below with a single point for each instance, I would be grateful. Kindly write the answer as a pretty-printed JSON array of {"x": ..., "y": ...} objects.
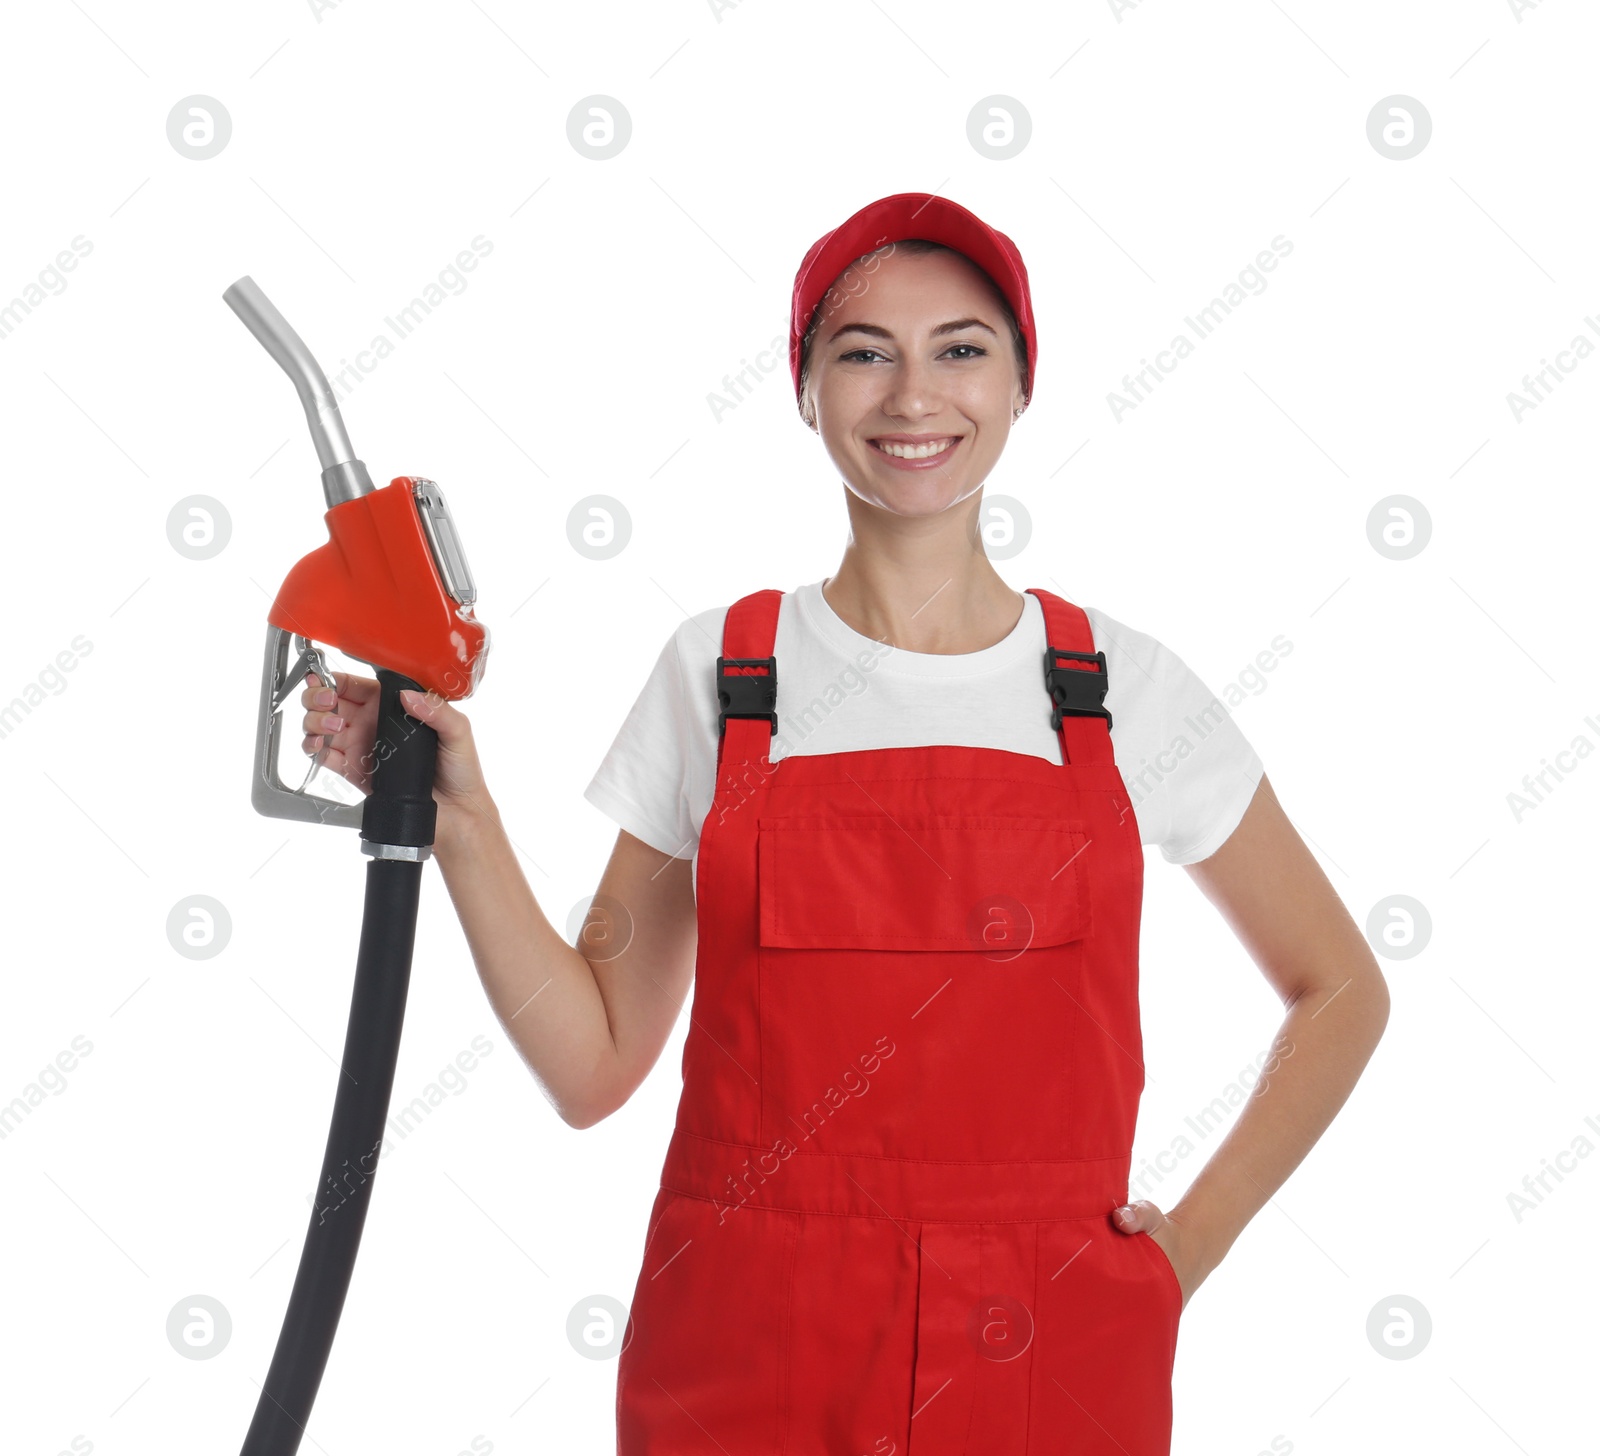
[{"x": 1189, "y": 770}]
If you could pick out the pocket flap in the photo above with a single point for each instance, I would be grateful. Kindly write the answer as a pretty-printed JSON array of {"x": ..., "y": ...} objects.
[{"x": 989, "y": 883}]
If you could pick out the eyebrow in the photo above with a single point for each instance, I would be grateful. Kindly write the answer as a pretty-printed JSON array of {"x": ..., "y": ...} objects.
[{"x": 877, "y": 332}]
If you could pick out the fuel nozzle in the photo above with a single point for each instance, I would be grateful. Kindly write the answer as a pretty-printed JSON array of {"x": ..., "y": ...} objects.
[
  {"x": 390, "y": 587},
  {"x": 343, "y": 476}
]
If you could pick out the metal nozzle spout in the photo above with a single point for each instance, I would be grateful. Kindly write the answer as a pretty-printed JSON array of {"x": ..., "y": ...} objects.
[{"x": 343, "y": 476}]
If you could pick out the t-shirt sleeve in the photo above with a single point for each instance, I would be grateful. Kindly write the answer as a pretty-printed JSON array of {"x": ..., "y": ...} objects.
[
  {"x": 1214, "y": 769},
  {"x": 641, "y": 781}
]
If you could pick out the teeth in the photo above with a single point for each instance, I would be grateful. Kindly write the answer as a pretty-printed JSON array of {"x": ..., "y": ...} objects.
[{"x": 914, "y": 452}]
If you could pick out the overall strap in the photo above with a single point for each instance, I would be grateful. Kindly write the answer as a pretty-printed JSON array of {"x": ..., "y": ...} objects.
[
  {"x": 1075, "y": 678},
  {"x": 747, "y": 678}
]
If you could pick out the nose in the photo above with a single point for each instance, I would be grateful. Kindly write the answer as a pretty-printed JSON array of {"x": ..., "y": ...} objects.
[{"x": 911, "y": 390}]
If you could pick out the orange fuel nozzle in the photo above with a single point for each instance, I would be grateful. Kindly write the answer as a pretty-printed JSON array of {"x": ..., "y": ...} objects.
[{"x": 389, "y": 587}]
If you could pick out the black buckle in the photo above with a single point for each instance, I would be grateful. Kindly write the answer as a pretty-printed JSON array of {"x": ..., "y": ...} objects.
[
  {"x": 1073, "y": 690},
  {"x": 747, "y": 695}
]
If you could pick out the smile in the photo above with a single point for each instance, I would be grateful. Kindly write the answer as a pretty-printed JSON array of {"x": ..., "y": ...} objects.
[{"x": 925, "y": 451}]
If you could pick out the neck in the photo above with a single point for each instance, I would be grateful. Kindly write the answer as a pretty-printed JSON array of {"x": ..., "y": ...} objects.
[{"x": 928, "y": 591}]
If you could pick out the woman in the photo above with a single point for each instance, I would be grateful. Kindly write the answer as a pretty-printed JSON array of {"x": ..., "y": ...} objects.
[{"x": 885, "y": 824}]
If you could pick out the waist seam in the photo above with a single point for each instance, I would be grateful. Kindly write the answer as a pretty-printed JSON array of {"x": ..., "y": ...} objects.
[
  {"x": 913, "y": 1162},
  {"x": 888, "y": 1217}
]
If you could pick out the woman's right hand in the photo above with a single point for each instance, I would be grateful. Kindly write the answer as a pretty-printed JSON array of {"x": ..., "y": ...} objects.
[{"x": 343, "y": 720}]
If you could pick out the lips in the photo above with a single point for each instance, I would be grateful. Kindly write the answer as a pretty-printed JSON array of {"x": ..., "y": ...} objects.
[{"x": 915, "y": 447}]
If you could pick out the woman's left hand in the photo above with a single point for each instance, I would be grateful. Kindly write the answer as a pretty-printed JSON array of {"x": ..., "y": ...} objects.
[{"x": 1142, "y": 1216}]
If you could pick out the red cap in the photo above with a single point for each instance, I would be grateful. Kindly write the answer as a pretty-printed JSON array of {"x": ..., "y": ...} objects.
[{"x": 909, "y": 215}]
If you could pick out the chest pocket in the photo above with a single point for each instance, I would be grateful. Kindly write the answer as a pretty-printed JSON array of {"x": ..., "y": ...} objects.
[{"x": 998, "y": 884}]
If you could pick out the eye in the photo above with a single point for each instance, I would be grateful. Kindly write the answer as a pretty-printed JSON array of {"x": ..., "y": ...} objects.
[{"x": 974, "y": 352}]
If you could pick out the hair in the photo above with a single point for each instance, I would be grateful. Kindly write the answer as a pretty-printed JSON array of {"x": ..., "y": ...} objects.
[{"x": 914, "y": 246}]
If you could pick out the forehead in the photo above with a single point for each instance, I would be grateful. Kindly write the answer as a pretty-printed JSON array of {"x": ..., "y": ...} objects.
[{"x": 896, "y": 286}]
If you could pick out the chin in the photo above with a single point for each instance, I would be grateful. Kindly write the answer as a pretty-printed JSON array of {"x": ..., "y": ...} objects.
[{"x": 930, "y": 499}]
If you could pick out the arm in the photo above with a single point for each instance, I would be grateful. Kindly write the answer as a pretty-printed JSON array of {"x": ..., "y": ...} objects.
[
  {"x": 589, "y": 1025},
  {"x": 589, "y": 1022},
  {"x": 1274, "y": 895}
]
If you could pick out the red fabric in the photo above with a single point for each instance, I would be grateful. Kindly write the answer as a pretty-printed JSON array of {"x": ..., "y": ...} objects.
[
  {"x": 910, "y": 1084},
  {"x": 889, "y": 220}
]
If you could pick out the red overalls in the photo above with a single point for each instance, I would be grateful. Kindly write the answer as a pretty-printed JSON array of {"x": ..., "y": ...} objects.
[{"x": 910, "y": 1083}]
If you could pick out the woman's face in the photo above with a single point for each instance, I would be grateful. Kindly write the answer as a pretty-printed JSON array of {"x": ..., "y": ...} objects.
[{"x": 916, "y": 350}]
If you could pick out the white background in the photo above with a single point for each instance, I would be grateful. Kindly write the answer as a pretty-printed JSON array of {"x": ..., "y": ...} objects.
[{"x": 1170, "y": 144}]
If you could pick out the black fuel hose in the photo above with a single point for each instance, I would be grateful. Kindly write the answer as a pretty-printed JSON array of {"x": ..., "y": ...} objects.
[{"x": 399, "y": 811}]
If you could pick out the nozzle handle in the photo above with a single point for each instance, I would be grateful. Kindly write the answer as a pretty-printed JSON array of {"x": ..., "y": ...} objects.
[
  {"x": 400, "y": 814},
  {"x": 344, "y": 477}
]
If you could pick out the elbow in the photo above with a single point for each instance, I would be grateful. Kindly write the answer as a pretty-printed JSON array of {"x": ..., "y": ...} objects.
[
  {"x": 1375, "y": 995},
  {"x": 1382, "y": 1004},
  {"x": 584, "y": 1112},
  {"x": 589, "y": 1094},
  {"x": 1363, "y": 991},
  {"x": 581, "y": 1116},
  {"x": 1370, "y": 993},
  {"x": 605, "y": 1087}
]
